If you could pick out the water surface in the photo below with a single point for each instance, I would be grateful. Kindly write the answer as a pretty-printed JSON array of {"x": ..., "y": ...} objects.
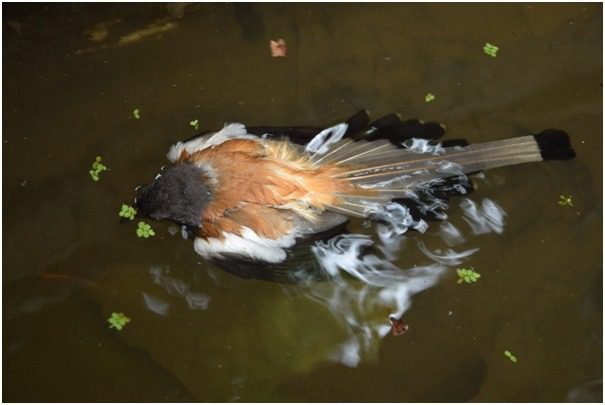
[{"x": 72, "y": 76}]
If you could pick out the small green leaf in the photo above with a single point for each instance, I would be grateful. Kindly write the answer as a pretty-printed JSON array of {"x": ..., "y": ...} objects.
[
  {"x": 510, "y": 356},
  {"x": 118, "y": 320},
  {"x": 195, "y": 123},
  {"x": 467, "y": 275},
  {"x": 144, "y": 230},
  {"x": 490, "y": 49},
  {"x": 136, "y": 113},
  {"x": 566, "y": 201},
  {"x": 127, "y": 212},
  {"x": 97, "y": 168},
  {"x": 429, "y": 97}
]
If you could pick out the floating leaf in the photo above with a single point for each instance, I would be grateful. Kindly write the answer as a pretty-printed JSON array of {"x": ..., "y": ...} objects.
[
  {"x": 278, "y": 48},
  {"x": 118, "y": 320},
  {"x": 565, "y": 201},
  {"x": 429, "y": 97},
  {"x": 136, "y": 113},
  {"x": 510, "y": 356},
  {"x": 127, "y": 211},
  {"x": 97, "y": 168},
  {"x": 490, "y": 49},
  {"x": 398, "y": 327},
  {"x": 467, "y": 275},
  {"x": 144, "y": 230},
  {"x": 195, "y": 123}
]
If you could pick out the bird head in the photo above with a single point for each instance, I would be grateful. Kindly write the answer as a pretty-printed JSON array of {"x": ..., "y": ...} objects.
[{"x": 179, "y": 193}]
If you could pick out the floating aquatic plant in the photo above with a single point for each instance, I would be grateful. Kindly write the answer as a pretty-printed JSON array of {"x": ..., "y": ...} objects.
[
  {"x": 118, "y": 320},
  {"x": 490, "y": 49},
  {"x": 136, "y": 113},
  {"x": 195, "y": 123},
  {"x": 144, "y": 230},
  {"x": 429, "y": 97},
  {"x": 467, "y": 275},
  {"x": 127, "y": 212},
  {"x": 510, "y": 356},
  {"x": 97, "y": 168},
  {"x": 565, "y": 201}
]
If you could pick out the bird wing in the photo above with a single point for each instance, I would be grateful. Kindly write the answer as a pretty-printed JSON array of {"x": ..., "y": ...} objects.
[{"x": 264, "y": 196}]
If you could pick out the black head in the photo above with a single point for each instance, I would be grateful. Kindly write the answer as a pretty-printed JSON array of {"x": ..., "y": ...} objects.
[{"x": 179, "y": 193}]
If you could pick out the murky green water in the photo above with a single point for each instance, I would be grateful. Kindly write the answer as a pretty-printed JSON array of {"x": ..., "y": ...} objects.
[{"x": 73, "y": 75}]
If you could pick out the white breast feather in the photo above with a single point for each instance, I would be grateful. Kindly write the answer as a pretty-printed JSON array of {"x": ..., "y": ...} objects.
[{"x": 249, "y": 244}]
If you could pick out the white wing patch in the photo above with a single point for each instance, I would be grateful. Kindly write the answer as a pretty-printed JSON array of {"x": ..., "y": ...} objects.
[
  {"x": 249, "y": 244},
  {"x": 321, "y": 143},
  {"x": 230, "y": 131}
]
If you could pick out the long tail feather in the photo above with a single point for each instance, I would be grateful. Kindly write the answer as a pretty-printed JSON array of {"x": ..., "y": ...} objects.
[{"x": 390, "y": 172}]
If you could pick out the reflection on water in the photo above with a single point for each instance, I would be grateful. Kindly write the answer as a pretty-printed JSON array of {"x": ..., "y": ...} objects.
[
  {"x": 377, "y": 287},
  {"x": 74, "y": 73},
  {"x": 339, "y": 316}
]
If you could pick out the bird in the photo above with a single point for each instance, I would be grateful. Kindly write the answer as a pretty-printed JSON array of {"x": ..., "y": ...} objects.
[{"x": 252, "y": 193}]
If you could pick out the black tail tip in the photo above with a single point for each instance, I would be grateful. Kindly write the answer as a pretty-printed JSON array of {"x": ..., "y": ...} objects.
[{"x": 555, "y": 145}]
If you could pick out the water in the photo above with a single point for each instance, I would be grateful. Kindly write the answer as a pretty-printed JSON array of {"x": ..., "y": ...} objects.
[{"x": 72, "y": 76}]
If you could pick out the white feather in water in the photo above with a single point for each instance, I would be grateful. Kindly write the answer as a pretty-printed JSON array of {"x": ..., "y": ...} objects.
[
  {"x": 321, "y": 142},
  {"x": 362, "y": 285},
  {"x": 488, "y": 218},
  {"x": 450, "y": 234},
  {"x": 423, "y": 146}
]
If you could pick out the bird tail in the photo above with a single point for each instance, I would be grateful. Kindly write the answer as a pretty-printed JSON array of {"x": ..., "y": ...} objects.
[{"x": 380, "y": 171}]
